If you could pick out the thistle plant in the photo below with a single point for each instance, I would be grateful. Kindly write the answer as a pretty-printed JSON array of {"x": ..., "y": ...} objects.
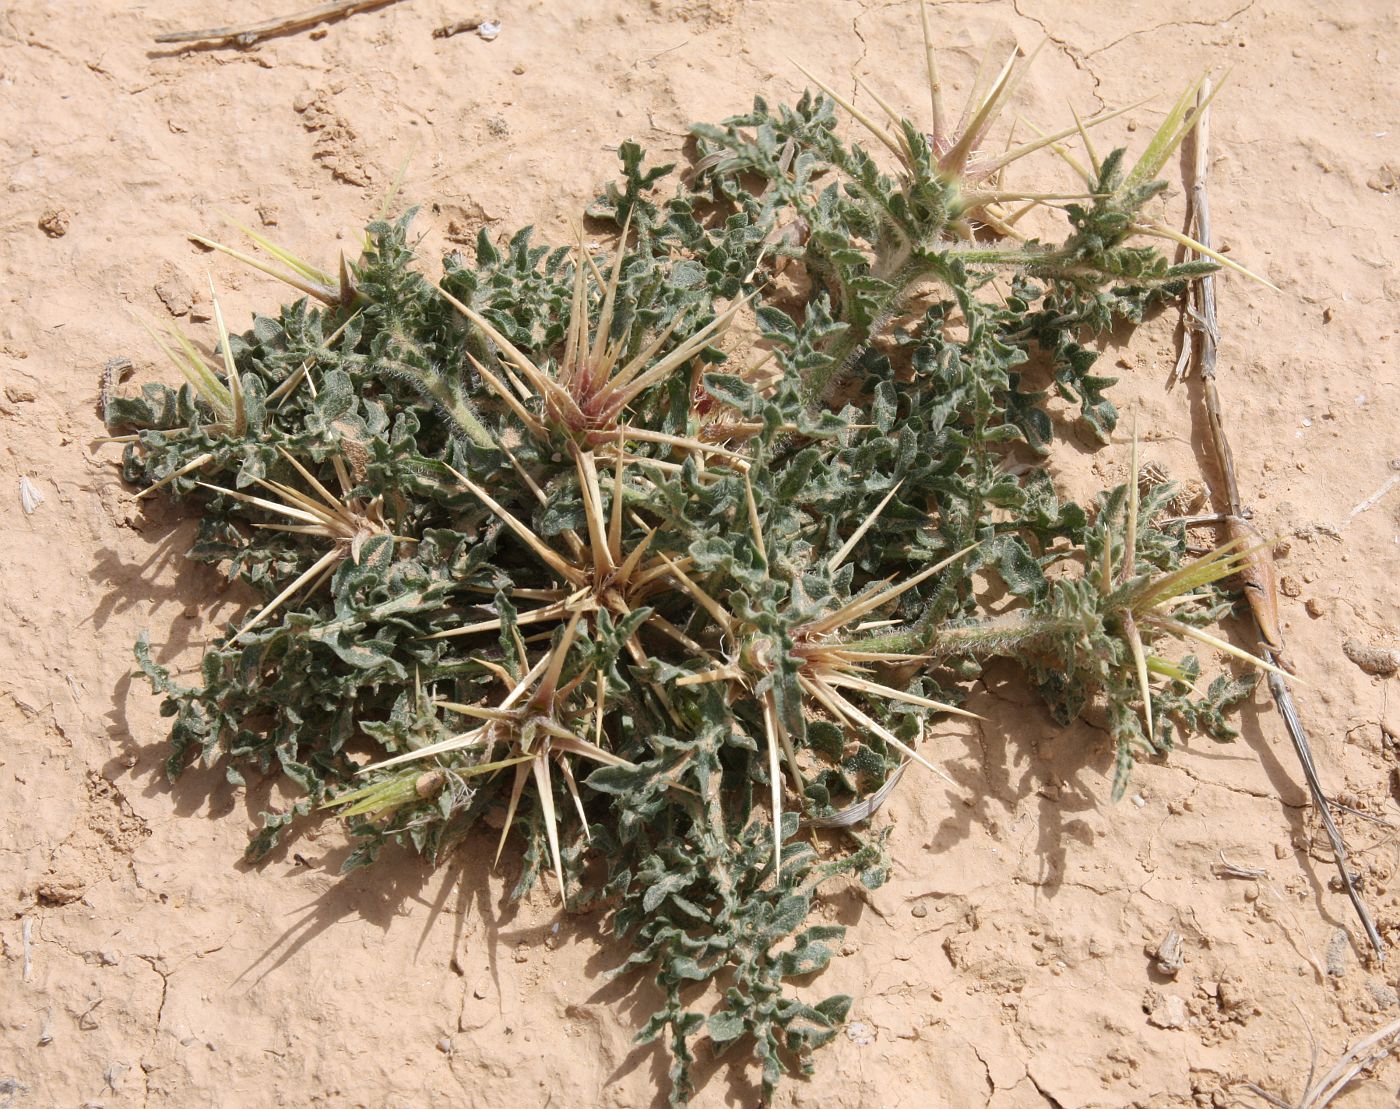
[{"x": 672, "y": 562}]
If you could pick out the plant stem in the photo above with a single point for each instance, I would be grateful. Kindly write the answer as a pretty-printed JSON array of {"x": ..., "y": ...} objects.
[
  {"x": 908, "y": 272},
  {"x": 1011, "y": 635}
]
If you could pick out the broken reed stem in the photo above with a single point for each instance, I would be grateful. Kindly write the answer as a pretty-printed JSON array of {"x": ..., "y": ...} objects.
[
  {"x": 248, "y": 35},
  {"x": 1321, "y": 1093},
  {"x": 1204, "y": 340}
]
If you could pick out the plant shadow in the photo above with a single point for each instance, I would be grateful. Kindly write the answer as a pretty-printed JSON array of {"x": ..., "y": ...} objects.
[{"x": 999, "y": 774}]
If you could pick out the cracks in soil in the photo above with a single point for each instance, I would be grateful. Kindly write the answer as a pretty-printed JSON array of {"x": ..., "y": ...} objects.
[
  {"x": 864, "y": 48},
  {"x": 987, "y": 1070},
  {"x": 148, "y": 1056},
  {"x": 1242, "y": 791},
  {"x": 1050, "y": 1098},
  {"x": 1174, "y": 23},
  {"x": 1073, "y": 53}
]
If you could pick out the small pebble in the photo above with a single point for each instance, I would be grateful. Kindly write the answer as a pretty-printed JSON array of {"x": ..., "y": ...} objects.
[
  {"x": 1169, "y": 1011},
  {"x": 1379, "y": 661},
  {"x": 1170, "y": 955},
  {"x": 919, "y": 910},
  {"x": 445, "y": 1045},
  {"x": 54, "y": 223},
  {"x": 1337, "y": 954},
  {"x": 29, "y": 496}
]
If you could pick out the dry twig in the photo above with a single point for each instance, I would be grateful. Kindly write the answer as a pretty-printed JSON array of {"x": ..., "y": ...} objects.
[
  {"x": 863, "y": 809},
  {"x": 253, "y": 32},
  {"x": 1376, "y": 497},
  {"x": 1204, "y": 342},
  {"x": 1354, "y": 1060},
  {"x": 449, "y": 29},
  {"x": 28, "y": 931},
  {"x": 1227, "y": 869}
]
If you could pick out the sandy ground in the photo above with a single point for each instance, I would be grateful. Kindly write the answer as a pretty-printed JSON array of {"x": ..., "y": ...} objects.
[{"x": 1007, "y": 962}]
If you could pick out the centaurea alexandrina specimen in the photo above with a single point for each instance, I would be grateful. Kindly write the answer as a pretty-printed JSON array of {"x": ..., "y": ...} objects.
[{"x": 539, "y": 544}]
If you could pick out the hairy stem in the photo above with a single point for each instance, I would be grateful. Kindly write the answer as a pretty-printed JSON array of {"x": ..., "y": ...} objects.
[{"x": 1016, "y": 634}]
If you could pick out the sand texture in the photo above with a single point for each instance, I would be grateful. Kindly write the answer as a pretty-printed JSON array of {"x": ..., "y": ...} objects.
[{"x": 1010, "y": 960}]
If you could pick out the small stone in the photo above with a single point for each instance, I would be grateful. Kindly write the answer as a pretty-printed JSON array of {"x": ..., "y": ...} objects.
[
  {"x": 522, "y": 954},
  {"x": 518, "y": 69},
  {"x": 176, "y": 293},
  {"x": 60, "y": 889},
  {"x": 1168, "y": 1011},
  {"x": 54, "y": 223},
  {"x": 860, "y": 1033},
  {"x": 920, "y": 910},
  {"x": 445, "y": 1045},
  {"x": 1233, "y": 996},
  {"x": 1280, "y": 851},
  {"x": 1380, "y": 661},
  {"x": 1383, "y": 995},
  {"x": 17, "y": 395},
  {"x": 1337, "y": 954},
  {"x": 1171, "y": 954},
  {"x": 1384, "y": 180},
  {"x": 1316, "y": 607}
]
